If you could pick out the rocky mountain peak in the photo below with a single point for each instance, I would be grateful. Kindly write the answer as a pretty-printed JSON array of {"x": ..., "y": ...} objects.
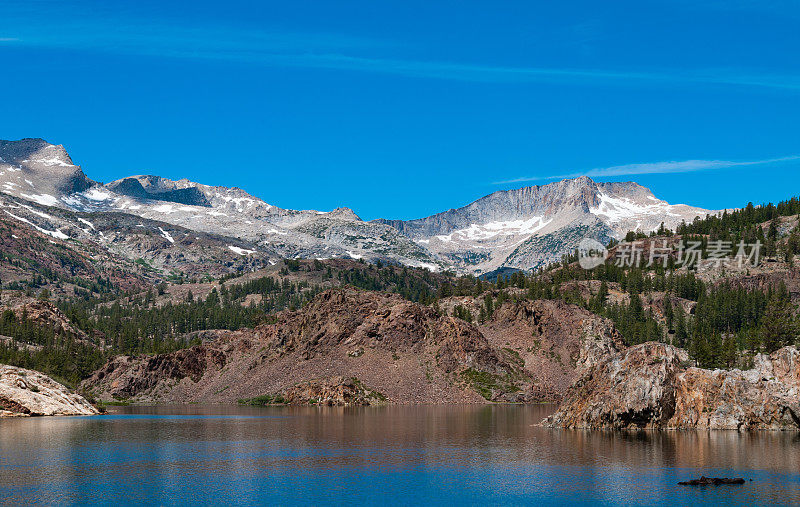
[
  {"x": 40, "y": 171},
  {"x": 29, "y": 147},
  {"x": 157, "y": 188},
  {"x": 530, "y": 226},
  {"x": 572, "y": 186},
  {"x": 343, "y": 214},
  {"x": 35, "y": 152}
]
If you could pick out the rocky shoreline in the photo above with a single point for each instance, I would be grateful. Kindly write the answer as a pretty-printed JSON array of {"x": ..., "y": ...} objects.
[
  {"x": 527, "y": 352},
  {"x": 652, "y": 386},
  {"x": 349, "y": 347}
]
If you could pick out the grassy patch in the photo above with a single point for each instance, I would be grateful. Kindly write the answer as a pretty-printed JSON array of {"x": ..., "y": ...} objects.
[
  {"x": 370, "y": 394},
  {"x": 375, "y": 395},
  {"x": 262, "y": 401},
  {"x": 514, "y": 356},
  {"x": 484, "y": 383}
]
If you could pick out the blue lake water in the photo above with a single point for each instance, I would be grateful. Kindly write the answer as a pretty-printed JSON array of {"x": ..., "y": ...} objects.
[{"x": 471, "y": 455}]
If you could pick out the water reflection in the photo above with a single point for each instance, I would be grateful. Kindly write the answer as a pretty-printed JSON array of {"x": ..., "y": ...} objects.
[{"x": 431, "y": 454}]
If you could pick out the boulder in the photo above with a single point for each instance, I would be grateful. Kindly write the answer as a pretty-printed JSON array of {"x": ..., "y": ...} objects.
[{"x": 30, "y": 393}]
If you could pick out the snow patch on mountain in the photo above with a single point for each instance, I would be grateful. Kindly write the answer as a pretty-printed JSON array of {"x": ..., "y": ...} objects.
[
  {"x": 615, "y": 209},
  {"x": 37, "y": 212},
  {"x": 43, "y": 199},
  {"x": 86, "y": 222},
  {"x": 97, "y": 194},
  {"x": 166, "y": 235},
  {"x": 55, "y": 161},
  {"x": 164, "y": 208},
  {"x": 240, "y": 251},
  {"x": 494, "y": 229},
  {"x": 55, "y": 234}
]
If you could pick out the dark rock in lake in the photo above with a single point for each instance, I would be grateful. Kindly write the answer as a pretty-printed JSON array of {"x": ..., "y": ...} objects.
[{"x": 712, "y": 481}]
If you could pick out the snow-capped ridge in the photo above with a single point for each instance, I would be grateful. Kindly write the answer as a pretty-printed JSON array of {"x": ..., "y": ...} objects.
[
  {"x": 522, "y": 228},
  {"x": 534, "y": 225}
]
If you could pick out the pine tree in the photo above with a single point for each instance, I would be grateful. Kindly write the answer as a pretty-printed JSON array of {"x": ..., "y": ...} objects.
[
  {"x": 701, "y": 350},
  {"x": 778, "y": 326},
  {"x": 729, "y": 351},
  {"x": 669, "y": 314},
  {"x": 681, "y": 333},
  {"x": 488, "y": 306},
  {"x": 773, "y": 229},
  {"x": 635, "y": 308}
]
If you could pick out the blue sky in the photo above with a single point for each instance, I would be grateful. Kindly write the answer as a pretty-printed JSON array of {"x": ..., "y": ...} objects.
[{"x": 404, "y": 109}]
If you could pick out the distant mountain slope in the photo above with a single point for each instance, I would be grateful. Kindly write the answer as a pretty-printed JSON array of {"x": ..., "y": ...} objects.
[
  {"x": 523, "y": 228},
  {"x": 531, "y": 226},
  {"x": 232, "y": 211},
  {"x": 62, "y": 244}
]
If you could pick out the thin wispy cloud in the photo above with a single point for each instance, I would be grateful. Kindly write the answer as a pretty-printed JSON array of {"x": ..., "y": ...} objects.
[
  {"x": 347, "y": 53},
  {"x": 487, "y": 73},
  {"x": 683, "y": 166}
]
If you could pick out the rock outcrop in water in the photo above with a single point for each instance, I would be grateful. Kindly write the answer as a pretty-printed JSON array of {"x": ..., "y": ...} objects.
[
  {"x": 30, "y": 393},
  {"x": 654, "y": 385},
  {"x": 712, "y": 481}
]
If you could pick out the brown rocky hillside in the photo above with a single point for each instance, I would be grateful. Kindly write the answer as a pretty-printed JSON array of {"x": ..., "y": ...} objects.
[{"x": 402, "y": 350}]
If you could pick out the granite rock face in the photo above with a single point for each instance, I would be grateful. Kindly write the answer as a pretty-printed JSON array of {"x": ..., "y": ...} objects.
[
  {"x": 765, "y": 397},
  {"x": 30, "y": 393},
  {"x": 654, "y": 386}
]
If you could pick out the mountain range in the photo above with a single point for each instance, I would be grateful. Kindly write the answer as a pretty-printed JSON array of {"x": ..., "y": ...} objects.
[{"x": 523, "y": 228}]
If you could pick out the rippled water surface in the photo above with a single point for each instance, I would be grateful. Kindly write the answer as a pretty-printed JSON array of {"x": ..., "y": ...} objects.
[{"x": 473, "y": 455}]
